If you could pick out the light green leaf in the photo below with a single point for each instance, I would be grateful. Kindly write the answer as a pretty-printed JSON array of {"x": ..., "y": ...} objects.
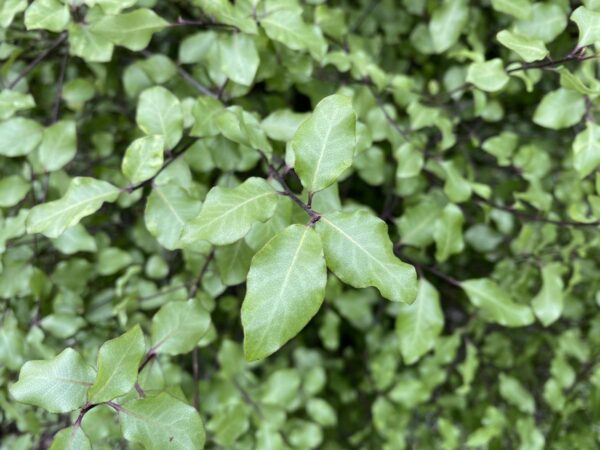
[
  {"x": 418, "y": 325},
  {"x": 159, "y": 113},
  {"x": 324, "y": 144},
  {"x": 586, "y": 150},
  {"x": 75, "y": 239},
  {"x": 13, "y": 101},
  {"x": 13, "y": 189},
  {"x": 162, "y": 422},
  {"x": 19, "y": 136},
  {"x": 118, "y": 362},
  {"x": 114, "y": 6},
  {"x": 321, "y": 412},
  {"x": 285, "y": 289},
  {"x": 178, "y": 326},
  {"x": 517, "y": 8},
  {"x": 225, "y": 12},
  {"x": 496, "y": 303},
  {"x": 132, "y": 30},
  {"x": 416, "y": 226},
  {"x": 205, "y": 111},
  {"x": 58, "y": 385},
  {"x": 410, "y": 161},
  {"x": 568, "y": 80},
  {"x": 71, "y": 438},
  {"x": 84, "y": 196},
  {"x": 359, "y": 251},
  {"x": 59, "y": 145},
  {"x": 284, "y": 24},
  {"x": 228, "y": 213},
  {"x": 528, "y": 48},
  {"x": 488, "y": 76},
  {"x": 238, "y": 57},
  {"x": 514, "y": 393},
  {"x": 447, "y": 23},
  {"x": 546, "y": 21},
  {"x": 548, "y": 303},
  {"x": 143, "y": 158},
  {"x": 229, "y": 423},
  {"x": 448, "y": 233},
  {"x": 168, "y": 211},
  {"x": 89, "y": 45},
  {"x": 281, "y": 125},
  {"x": 502, "y": 146},
  {"x": 50, "y": 15},
  {"x": 559, "y": 109},
  {"x": 588, "y": 23},
  {"x": 233, "y": 262}
]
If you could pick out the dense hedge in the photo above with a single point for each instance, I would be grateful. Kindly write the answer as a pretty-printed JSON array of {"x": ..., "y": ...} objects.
[{"x": 285, "y": 224}]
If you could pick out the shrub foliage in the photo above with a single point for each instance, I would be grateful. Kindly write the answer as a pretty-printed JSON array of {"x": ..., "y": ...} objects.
[{"x": 277, "y": 225}]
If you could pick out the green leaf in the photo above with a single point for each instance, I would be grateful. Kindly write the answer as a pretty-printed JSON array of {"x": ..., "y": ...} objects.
[
  {"x": 89, "y": 45},
  {"x": 586, "y": 150},
  {"x": 514, "y": 393},
  {"x": 162, "y": 422},
  {"x": 75, "y": 239},
  {"x": 548, "y": 303},
  {"x": 143, "y": 158},
  {"x": 496, "y": 303},
  {"x": 239, "y": 58},
  {"x": 228, "y": 213},
  {"x": 71, "y": 438},
  {"x": 168, "y": 211},
  {"x": 588, "y": 23},
  {"x": 50, "y": 15},
  {"x": 159, "y": 113},
  {"x": 229, "y": 423},
  {"x": 225, "y": 12},
  {"x": 546, "y": 21},
  {"x": 284, "y": 24},
  {"x": 418, "y": 325},
  {"x": 13, "y": 101},
  {"x": 528, "y": 48},
  {"x": 321, "y": 412},
  {"x": 84, "y": 196},
  {"x": 178, "y": 326},
  {"x": 19, "y": 136},
  {"x": 205, "y": 111},
  {"x": 488, "y": 76},
  {"x": 285, "y": 289},
  {"x": 132, "y": 30},
  {"x": 560, "y": 109},
  {"x": 324, "y": 144},
  {"x": 13, "y": 189},
  {"x": 359, "y": 251},
  {"x": 58, "y": 385},
  {"x": 448, "y": 233},
  {"x": 416, "y": 226},
  {"x": 118, "y": 362},
  {"x": 447, "y": 24},
  {"x": 281, "y": 125},
  {"x": 114, "y": 6},
  {"x": 521, "y": 9},
  {"x": 233, "y": 262},
  {"x": 59, "y": 145},
  {"x": 569, "y": 81}
]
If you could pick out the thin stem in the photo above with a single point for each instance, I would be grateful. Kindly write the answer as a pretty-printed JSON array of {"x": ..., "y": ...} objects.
[
  {"x": 181, "y": 22},
  {"x": 59, "y": 88},
  {"x": 387, "y": 116},
  {"x": 193, "y": 83},
  {"x": 174, "y": 155},
  {"x": 196, "y": 378},
  {"x": 573, "y": 56},
  {"x": 33, "y": 64},
  {"x": 196, "y": 282},
  {"x": 523, "y": 215},
  {"x": 149, "y": 357},
  {"x": 421, "y": 267},
  {"x": 314, "y": 216}
]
